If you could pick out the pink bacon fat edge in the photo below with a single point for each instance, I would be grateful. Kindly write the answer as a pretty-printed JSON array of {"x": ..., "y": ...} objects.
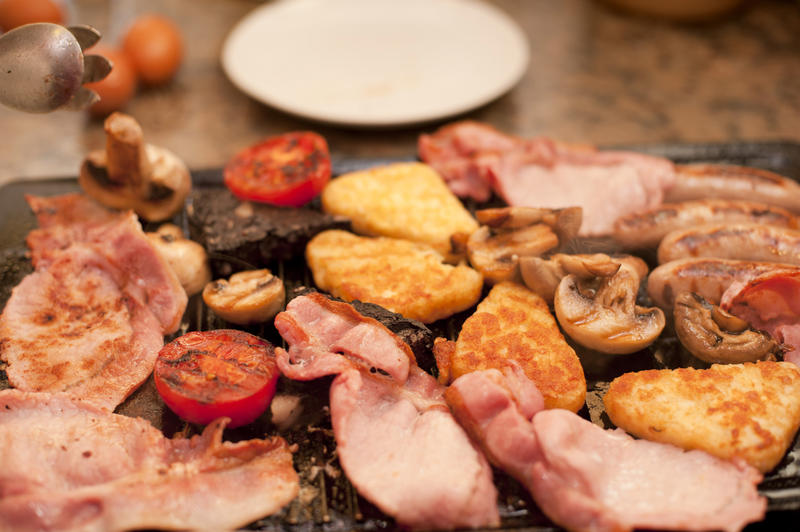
[
  {"x": 770, "y": 302},
  {"x": 91, "y": 318},
  {"x": 587, "y": 478},
  {"x": 396, "y": 439},
  {"x": 68, "y": 465},
  {"x": 475, "y": 160},
  {"x": 72, "y": 219}
]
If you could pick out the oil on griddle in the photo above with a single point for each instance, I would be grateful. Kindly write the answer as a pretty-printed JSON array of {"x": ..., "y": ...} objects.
[{"x": 327, "y": 500}]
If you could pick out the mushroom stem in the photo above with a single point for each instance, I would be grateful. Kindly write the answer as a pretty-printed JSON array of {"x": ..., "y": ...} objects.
[
  {"x": 728, "y": 321},
  {"x": 126, "y": 158}
]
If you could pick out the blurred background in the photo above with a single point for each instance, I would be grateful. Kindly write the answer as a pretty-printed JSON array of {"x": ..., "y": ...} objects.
[{"x": 602, "y": 72}]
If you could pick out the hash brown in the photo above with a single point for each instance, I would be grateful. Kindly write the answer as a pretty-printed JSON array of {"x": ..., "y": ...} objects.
[
  {"x": 515, "y": 324},
  {"x": 405, "y": 277},
  {"x": 749, "y": 411},
  {"x": 400, "y": 200}
]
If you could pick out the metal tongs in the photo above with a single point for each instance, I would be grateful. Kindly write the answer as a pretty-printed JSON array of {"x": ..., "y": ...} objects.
[{"x": 42, "y": 67}]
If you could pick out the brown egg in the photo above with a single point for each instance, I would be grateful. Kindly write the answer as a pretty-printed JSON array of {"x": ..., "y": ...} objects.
[
  {"x": 155, "y": 46},
  {"x": 15, "y": 13},
  {"x": 118, "y": 87}
]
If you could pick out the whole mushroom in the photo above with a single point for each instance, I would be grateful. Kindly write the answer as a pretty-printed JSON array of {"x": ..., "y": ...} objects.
[
  {"x": 129, "y": 174},
  {"x": 601, "y": 312},
  {"x": 187, "y": 258},
  {"x": 715, "y": 336}
]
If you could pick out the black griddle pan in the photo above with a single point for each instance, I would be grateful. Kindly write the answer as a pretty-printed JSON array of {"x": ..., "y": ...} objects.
[{"x": 328, "y": 501}]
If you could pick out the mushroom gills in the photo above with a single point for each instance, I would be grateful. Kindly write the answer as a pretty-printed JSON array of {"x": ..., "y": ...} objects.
[
  {"x": 601, "y": 313},
  {"x": 716, "y": 336},
  {"x": 510, "y": 233},
  {"x": 565, "y": 222},
  {"x": 544, "y": 275}
]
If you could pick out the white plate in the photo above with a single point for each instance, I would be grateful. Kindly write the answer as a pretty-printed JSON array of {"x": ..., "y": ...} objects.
[{"x": 375, "y": 62}]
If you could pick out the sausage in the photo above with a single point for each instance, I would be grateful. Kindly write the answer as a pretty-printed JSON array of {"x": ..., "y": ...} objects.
[
  {"x": 707, "y": 277},
  {"x": 754, "y": 242},
  {"x": 695, "y": 181},
  {"x": 646, "y": 229}
]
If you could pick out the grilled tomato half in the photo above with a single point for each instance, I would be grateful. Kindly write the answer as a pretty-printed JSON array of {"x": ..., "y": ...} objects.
[
  {"x": 202, "y": 376},
  {"x": 288, "y": 169}
]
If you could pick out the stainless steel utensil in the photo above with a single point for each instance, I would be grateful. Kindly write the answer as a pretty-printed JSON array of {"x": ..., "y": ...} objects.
[{"x": 42, "y": 67}]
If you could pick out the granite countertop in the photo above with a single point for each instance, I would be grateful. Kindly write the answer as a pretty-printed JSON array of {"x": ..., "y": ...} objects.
[{"x": 596, "y": 75}]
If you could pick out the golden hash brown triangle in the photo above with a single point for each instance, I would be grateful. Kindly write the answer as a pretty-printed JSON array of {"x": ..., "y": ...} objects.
[
  {"x": 748, "y": 411},
  {"x": 514, "y": 323},
  {"x": 401, "y": 200},
  {"x": 399, "y": 275}
]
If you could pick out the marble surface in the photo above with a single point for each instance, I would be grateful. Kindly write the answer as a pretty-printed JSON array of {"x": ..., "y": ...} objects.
[{"x": 596, "y": 75}]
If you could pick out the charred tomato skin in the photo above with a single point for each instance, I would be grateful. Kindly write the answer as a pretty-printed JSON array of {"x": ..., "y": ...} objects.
[
  {"x": 288, "y": 169},
  {"x": 205, "y": 375}
]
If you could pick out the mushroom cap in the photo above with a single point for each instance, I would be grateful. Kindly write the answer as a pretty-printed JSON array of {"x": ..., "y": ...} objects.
[
  {"x": 95, "y": 182},
  {"x": 187, "y": 258},
  {"x": 250, "y": 296},
  {"x": 170, "y": 184},
  {"x": 601, "y": 313},
  {"x": 544, "y": 275},
  {"x": 541, "y": 276},
  {"x": 715, "y": 336}
]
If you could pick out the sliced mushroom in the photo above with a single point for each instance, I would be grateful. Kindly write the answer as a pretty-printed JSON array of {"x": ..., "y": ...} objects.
[
  {"x": 509, "y": 233},
  {"x": 601, "y": 312},
  {"x": 497, "y": 256},
  {"x": 130, "y": 174},
  {"x": 565, "y": 222},
  {"x": 715, "y": 336},
  {"x": 187, "y": 258},
  {"x": 544, "y": 275},
  {"x": 250, "y": 296}
]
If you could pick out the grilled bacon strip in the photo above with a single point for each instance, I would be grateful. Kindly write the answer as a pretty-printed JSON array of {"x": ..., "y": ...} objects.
[
  {"x": 587, "y": 478},
  {"x": 90, "y": 320},
  {"x": 70, "y": 466},
  {"x": 769, "y": 302},
  {"x": 395, "y": 438}
]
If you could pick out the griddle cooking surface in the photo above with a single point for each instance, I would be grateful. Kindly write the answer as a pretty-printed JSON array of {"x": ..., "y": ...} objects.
[{"x": 327, "y": 500}]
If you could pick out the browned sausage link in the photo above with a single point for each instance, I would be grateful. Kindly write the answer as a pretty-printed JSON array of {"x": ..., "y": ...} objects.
[
  {"x": 646, "y": 229},
  {"x": 754, "y": 242},
  {"x": 695, "y": 181},
  {"x": 707, "y": 277}
]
